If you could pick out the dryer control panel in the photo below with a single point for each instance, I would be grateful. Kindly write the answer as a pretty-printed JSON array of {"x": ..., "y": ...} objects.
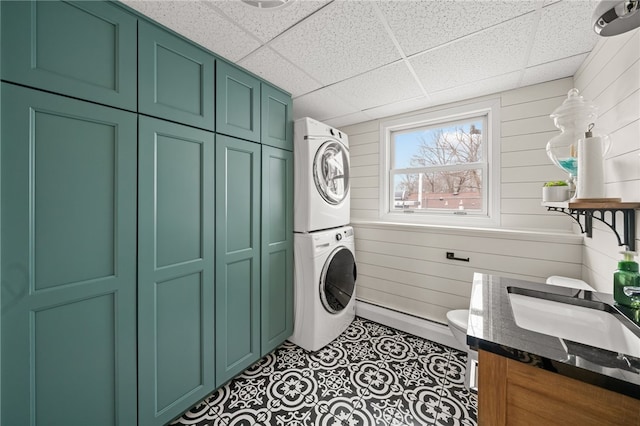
[
  {"x": 314, "y": 128},
  {"x": 344, "y": 233},
  {"x": 331, "y": 237}
]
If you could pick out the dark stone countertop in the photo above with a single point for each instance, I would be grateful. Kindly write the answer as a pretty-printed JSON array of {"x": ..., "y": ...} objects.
[{"x": 492, "y": 327}]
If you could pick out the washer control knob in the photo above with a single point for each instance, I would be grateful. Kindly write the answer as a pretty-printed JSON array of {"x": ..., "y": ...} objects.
[{"x": 338, "y": 237}]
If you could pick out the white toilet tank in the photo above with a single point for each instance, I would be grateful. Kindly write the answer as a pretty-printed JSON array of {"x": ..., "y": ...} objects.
[{"x": 568, "y": 282}]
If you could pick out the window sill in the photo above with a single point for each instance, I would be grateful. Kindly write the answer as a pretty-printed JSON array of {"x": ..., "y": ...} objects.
[
  {"x": 442, "y": 219},
  {"x": 508, "y": 234}
]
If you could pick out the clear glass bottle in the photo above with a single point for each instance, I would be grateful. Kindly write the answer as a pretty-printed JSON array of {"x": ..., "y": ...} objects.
[
  {"x": 572, "y": 118},
  {"x": 626, "y": 281}
]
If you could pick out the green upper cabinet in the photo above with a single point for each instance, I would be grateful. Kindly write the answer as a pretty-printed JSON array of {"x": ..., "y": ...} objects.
[
  {"x": 176, "y": 78},
  {"x": 277, "y": 247},
  {"x": 84, "y": 49},
  {"x": 277, "y": 121},
  {"x": 237, "y": 103},
  {"x": 237, "y": 256},
  {"x": 68, "y": 261},
  {"x": 176, "y": 360}
]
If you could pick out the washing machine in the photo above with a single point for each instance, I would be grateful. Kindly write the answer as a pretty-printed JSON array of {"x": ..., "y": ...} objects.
[
  {"x": 325, "y": 286},
  {"x": 321, "y": 170}
]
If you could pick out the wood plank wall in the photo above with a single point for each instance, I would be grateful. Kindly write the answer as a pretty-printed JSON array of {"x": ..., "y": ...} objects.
[
  {"x": 610, "y": 77},
  {"x": 403, "y": 267}
]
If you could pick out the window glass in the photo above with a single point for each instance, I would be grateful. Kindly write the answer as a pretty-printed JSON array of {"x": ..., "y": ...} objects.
[
  {"x": 436, "y": 167},
  {"x": 458, "y": 143},
  {"x": 442, "y": 165},
  {"x": 446, "y": 190}
]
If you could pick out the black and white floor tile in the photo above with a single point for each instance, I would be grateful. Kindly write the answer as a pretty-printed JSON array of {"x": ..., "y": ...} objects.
[{"x": 370, "y": 375}]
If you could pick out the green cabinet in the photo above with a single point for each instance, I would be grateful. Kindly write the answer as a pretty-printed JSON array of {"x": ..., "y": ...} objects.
[
  {"x": 68, "y": 261},
  {"x": 277, "y": 247},
  {"x": 175, "y": 268},
  {"x": 84, "y": 49},
  {"x": 251, "y": 110},
  {"x": 277, "y": 121},
  {"x": 144, "y": 259},
  {"x": 176, "y": 79},
  {"x": 237, "y": 256},
  {"x": 237, "y": 103}
]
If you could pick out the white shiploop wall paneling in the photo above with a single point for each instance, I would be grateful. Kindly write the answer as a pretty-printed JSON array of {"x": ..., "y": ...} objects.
[{"x": 403, "y": 267}]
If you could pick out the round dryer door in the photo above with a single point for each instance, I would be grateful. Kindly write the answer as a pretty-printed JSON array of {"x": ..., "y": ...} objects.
[
  {"x": 331, "y": 172},
  {"x": 338, "y": 280}
]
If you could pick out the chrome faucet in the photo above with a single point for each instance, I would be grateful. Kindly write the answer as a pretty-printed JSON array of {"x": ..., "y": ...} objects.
[{"x": 630, "y": 291}]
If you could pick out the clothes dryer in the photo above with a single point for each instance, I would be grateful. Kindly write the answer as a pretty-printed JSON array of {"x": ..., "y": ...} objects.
[
  {"x": 325, "y": 286},
  {"x": 321, "y": 170}
]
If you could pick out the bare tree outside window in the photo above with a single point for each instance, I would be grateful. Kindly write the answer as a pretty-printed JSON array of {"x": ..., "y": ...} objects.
[{"x": 440, "y": 167}]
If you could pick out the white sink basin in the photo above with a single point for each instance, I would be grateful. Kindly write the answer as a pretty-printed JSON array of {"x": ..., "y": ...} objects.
[{"x": 592, "y": 327}]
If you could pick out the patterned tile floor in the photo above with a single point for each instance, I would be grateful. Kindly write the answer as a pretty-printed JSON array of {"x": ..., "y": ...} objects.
[{"x": 370, "y": 375}]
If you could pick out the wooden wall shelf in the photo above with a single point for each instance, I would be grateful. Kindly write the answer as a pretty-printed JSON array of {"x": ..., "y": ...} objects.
[{"x": 605, "y": 212}]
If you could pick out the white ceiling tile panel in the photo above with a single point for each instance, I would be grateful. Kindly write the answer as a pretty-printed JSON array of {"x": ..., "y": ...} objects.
[
  {"x": 201, "y": 24},
  {"x": 344, "y": 39},
  {"x": 399, "y": 107},
  {"x": 321, "y": 105},
  {"x": 274, "y": 68},
  {"x": 421, "y": 25},
  {"x": 382, "y": 86},
  {"x": 265, "y": 24},
  {"x": 498, "y": 50},
  {"x": 553, "y": 70},
  {"x": 484, "y": 87},
  {"x": 345, "y": 120},
  {"x": 459, "y": 49},
  {"x": 564, "y": 30}
]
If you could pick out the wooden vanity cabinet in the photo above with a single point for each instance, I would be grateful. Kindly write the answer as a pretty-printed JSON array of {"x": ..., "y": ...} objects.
[{"x": 513, "y": 393}]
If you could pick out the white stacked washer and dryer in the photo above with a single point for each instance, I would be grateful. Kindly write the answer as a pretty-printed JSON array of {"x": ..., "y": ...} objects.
[{"x": 325, "y": 268}]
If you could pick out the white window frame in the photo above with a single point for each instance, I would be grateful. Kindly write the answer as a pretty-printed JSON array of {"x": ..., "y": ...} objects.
[{"x": 490, "y": 217}]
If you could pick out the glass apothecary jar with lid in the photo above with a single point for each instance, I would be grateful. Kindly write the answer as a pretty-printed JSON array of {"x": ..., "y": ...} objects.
[{"x": 572, "y": 118}]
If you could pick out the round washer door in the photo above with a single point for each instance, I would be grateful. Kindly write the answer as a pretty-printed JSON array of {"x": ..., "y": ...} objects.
[
  {"x": 331, "y": 172},
  {"x": 338, "y": 280}
]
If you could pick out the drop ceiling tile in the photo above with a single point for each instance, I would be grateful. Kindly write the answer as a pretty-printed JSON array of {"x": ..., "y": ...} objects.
[
  {"x": 382, "y": 86},
  {"x": 476, "y": 89},
  {"x": 421, "y": 25},
  {"x": 344, "y": 43},
  {"x": 566, "y": 67},
  {"x": 274, "y": 68},
  {"x": 498, "y": 50},
  {"x": 344, "y": 39},
  {"x": 347, "y": 120},
  {"x": 321, "y": 105},
  {"x": 265, "y": 24},
  {"x": 399, "y": 107},
  {"x": 564, "y": 30},
  {"x": 200, "y": 23}
]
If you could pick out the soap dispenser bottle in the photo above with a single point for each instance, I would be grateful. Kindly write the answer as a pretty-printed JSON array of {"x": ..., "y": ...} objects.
[{"x": 626, "y": 281}]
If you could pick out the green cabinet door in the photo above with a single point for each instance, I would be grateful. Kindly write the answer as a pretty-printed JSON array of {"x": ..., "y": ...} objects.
[
  {"x": 277, "y": 118},
  {"x": 176, "y": 78},
  {"x": 68, "y": 259},
  {"x": 82, "y": 49},
  {"x": 237, "y": 256},
  {"x": 237, "y": 103},
  {"x": 176, "y": 363},
  {"x": 277, "y": 247}
]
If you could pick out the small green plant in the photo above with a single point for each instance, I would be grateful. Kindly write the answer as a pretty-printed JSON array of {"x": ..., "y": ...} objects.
[{"x": 556, "y": 183}]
